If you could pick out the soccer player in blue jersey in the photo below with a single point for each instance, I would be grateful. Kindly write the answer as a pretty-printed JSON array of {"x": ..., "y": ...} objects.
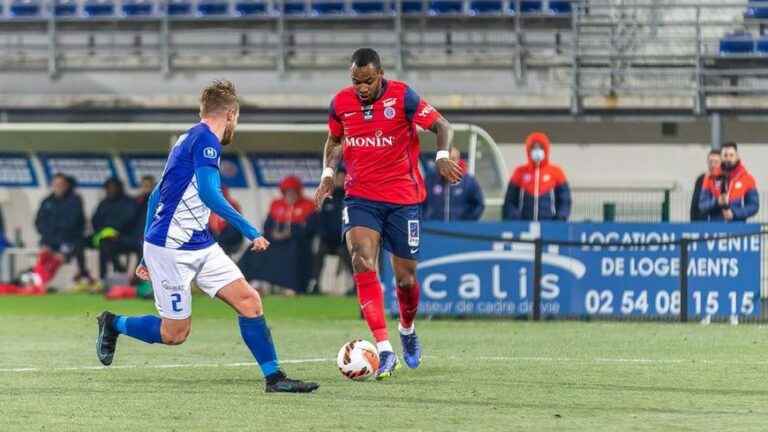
[{"x": 179, "y": 247}]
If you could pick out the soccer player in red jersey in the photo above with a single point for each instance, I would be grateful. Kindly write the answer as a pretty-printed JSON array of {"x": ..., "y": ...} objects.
[{"x": 373, "y": 125}]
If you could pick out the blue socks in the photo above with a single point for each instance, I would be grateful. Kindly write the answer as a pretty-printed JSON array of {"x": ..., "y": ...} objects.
[
  {"x": 144, "y": 328},
  {"x": 255, "y": 333},
  {"x": 258, "y": 338}
]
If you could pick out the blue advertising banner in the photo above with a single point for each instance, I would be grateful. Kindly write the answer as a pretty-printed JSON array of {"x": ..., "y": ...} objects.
[
  {"x": 89, "y": 170},
  {"x": 16, "y": 170},
  {"x": 270, "y": 169},
  {"x": 459, "y": 276},
  {"x": 138, "y": 165}
]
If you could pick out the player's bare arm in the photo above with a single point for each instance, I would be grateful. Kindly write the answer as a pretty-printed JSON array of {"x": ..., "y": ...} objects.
[
  {"x": 447, "y": 168},
  {"x": 331, "y": 159}
]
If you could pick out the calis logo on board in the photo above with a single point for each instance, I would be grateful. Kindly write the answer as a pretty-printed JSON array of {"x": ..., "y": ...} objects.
[{"x": 495, "y": 279}]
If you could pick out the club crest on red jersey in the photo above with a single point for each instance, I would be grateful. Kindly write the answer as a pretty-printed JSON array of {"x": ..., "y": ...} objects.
[{"x": 389, "y": 113}]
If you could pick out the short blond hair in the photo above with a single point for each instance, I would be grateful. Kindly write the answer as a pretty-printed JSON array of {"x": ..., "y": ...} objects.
[{"x": 220, "y": 96}]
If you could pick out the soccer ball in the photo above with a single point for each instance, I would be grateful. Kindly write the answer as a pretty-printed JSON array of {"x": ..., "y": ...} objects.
[{"x": 358, "y": 360}]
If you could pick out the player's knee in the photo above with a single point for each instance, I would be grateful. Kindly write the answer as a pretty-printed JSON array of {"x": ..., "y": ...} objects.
[
  {"x": 362, "y": 261},
  {"x": 249, "y": 305},
  {"x": 406, "y": 280},
  {"x": 175, "y": 335}
]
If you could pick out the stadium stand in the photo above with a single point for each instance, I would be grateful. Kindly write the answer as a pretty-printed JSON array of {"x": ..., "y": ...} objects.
[{"x": 572, "y": 56}]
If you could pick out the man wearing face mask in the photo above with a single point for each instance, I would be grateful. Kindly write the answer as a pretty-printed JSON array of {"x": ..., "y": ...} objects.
[
  {"x": 732, "y": 197},
  {"x": 538, "y": 190}
]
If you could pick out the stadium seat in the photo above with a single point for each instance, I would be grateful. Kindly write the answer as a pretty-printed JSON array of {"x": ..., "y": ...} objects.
[
  {"x": 368, "y": 7},
  {"x": 761, "y": 45},
  {"x": 486, "y": 7},
  {"x": 326, "y": 7},
  {"x": 178, "y": 8},
  {"x": 137, "y": 8},
  {"x": 527, "y": 6},
  {"x": 294, "y": 7},
  {"x": 443, "y": 7},
  {"x": 25, "y": 8},
  {"x": 99, "y": 8},
  {"x": 757, "y": 11},
  {"x": 250, "y": 7},
  {"x": 212, "y": 8},
  {"x": 65, "y": 8},
  {"x": 560, "y": 7},
  {"x": 737, "y": 43},
  {"x": 410, "y": 7}
]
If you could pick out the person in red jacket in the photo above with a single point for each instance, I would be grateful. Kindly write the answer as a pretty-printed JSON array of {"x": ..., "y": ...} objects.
[
  {"x": 538, "y": 190},
  {"x": 730, "y": 196},
  {"x": 289, "y": 227}
]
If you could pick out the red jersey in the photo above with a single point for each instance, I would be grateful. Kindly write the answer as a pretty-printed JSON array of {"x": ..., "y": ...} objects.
[{"x": 380, "y": 142}]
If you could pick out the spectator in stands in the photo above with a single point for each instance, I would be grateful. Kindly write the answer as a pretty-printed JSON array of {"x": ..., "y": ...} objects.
[
  {"x": 732, "y": 197},
  {"x": 329, "y": 232},
  {"x": 228, "y": 237},
  {"x": 115, "y": 224},
  {"x": 60, "y": 221},
  {"x": 289, "y": 228},
  {"x": 713, "y": 169},
  {"x": 142, "y": 199},
  {"x": 538, "y": 190},
  {"x": 466, "y": 202}
]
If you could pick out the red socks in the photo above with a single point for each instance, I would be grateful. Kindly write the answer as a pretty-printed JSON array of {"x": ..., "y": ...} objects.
[
  {"x": 371, "y": 299},
  {"x": 408, "y": 298},
  {"x": 46, "y": 267}
]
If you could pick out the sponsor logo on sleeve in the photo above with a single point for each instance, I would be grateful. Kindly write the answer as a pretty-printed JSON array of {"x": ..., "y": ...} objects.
[
  {"x": 426, "y": 110},
  {"x": 210, "y": 153}
]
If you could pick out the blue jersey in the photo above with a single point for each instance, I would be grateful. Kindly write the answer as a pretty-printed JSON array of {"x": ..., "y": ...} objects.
[{"x": 180, "y": 220}]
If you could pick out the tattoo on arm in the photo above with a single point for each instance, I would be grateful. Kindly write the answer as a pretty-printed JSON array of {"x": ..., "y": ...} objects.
[{"x": 332, "y": 152}]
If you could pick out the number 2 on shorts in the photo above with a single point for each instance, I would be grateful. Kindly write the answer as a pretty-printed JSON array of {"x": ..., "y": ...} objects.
[{"x": 175, "y": 300}]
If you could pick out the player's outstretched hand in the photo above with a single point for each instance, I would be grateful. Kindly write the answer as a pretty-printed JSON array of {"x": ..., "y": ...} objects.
[
  {"x": 323, "y": 191},
  {"x": 142, "y": 272},
  {"x": 259, "y": 244},
  {"x": 449, "y": 170}
]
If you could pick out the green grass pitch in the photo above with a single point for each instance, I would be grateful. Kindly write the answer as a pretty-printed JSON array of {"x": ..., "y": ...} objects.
[{"x": 476, "y": 375}]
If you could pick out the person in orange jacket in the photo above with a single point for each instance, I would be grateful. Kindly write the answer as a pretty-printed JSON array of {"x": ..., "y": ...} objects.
[
  {"x": 731, "y": 195},
  {"x": 538, "y": 190}
]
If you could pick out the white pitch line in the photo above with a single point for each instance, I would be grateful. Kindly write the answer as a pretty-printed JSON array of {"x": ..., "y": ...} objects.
[
  {"x": 160, "y": 366},
  {"x": 596, "y": 360}
]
